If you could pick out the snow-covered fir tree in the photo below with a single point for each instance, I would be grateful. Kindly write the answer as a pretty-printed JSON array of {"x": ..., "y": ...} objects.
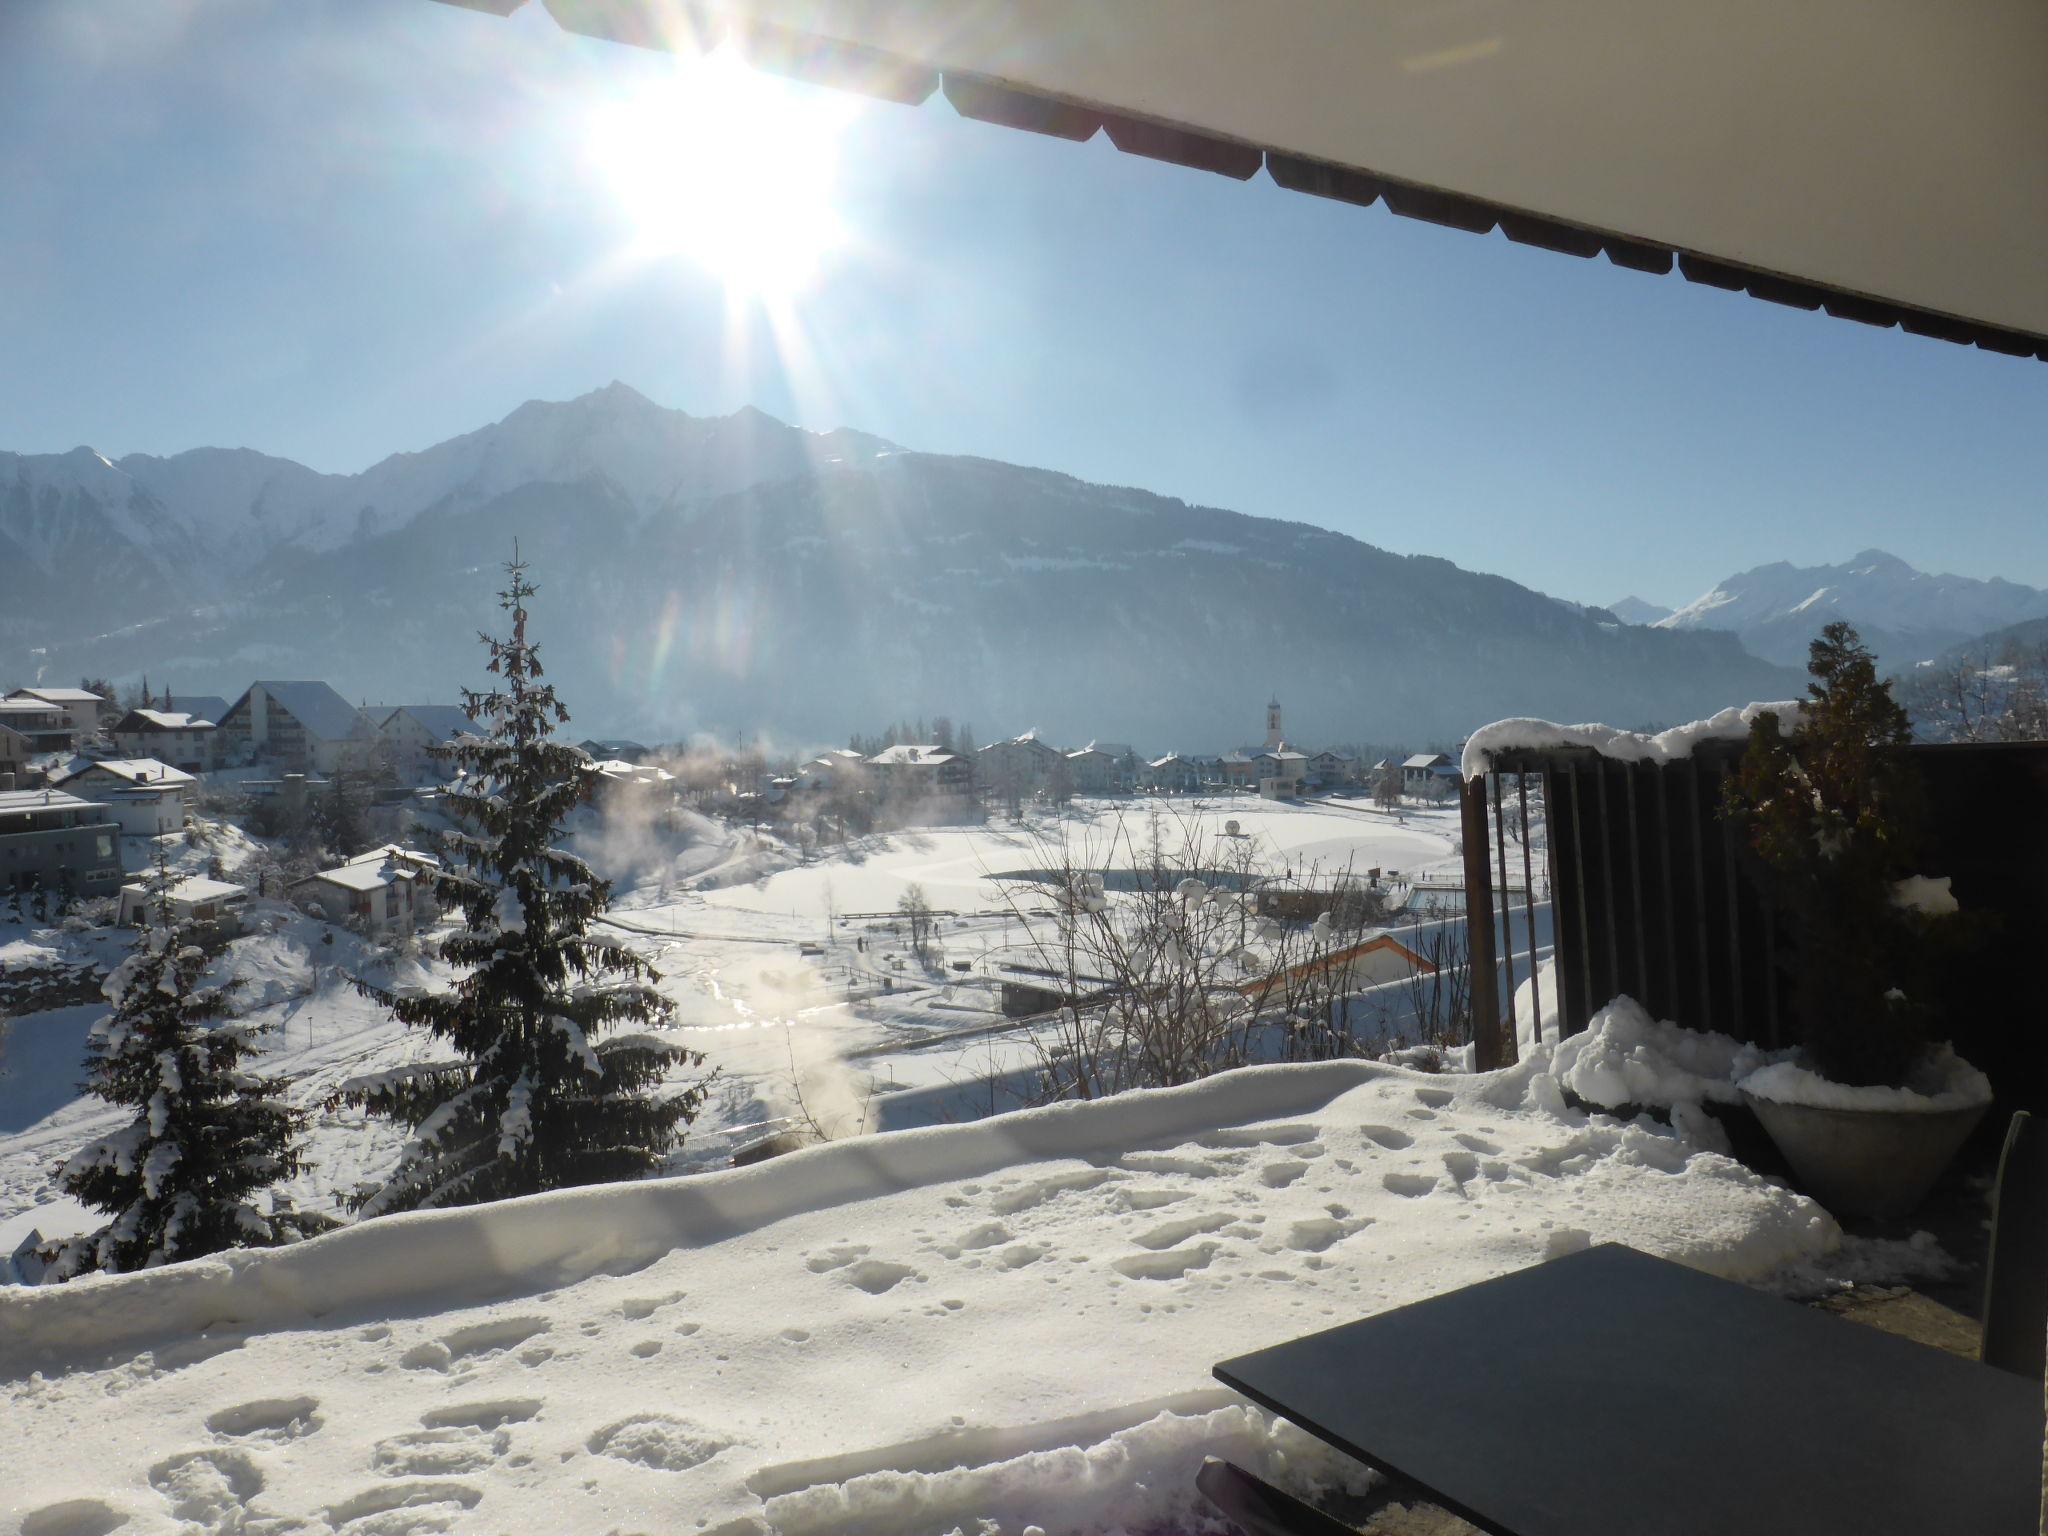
[
  {"x": 191, "y": 1172},
  {"x": 554, "y": 1080}
]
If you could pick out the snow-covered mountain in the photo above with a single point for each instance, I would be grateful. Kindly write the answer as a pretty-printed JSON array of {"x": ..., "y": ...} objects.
[
  {"x": 739, "y": 573},
  {"x": 1904, "y": 614},
  {"x": 1633, "y": 610}
]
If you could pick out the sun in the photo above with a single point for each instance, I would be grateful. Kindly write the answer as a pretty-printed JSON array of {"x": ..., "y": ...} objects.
[{"x": 728, "y": 168}]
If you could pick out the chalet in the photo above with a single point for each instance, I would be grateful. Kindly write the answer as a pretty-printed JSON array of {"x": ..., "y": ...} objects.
[
  {"x": 83, "y": 709},
  {"x": 386, "y": 890},
  {"x": 304, "y": 726},
  {"x": 45, "y": 727},
  {"x": 617, "y": 783},
  {"x": 144, "y": 797},
  {"x": 840, "y": 768},
  {"x": 1021, "y": 767},
  {"x": 183, "y": 740},
  {"x": 1331, "y": 768},
  {"x": 1426, "y": 770},
  {"x": 1172, "y": 774},
  {"x": 52, "y": 841},
  {"x": 414, "y": 732},
  {"x": 211, "y": 904},
  {"x": 1103, "y": 768},
  {"x": 1239, "y": 770},
  {"x": 1279, "y": 771},
  {"x": 922, "y": 771}
]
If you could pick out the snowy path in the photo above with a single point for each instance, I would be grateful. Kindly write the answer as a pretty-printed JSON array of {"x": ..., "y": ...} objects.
[{"x": 895, "y": 1334}]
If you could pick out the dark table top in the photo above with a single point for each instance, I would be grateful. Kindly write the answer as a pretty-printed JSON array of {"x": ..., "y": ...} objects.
[{"x": 1612, "y": 1392}]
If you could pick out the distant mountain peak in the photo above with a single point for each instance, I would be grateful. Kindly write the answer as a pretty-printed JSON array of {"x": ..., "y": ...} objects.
[{"x": 1902, "y": 613}]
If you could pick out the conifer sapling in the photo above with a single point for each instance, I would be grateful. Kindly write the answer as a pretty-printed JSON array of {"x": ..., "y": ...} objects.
[{"x": 190, "y": 1173}]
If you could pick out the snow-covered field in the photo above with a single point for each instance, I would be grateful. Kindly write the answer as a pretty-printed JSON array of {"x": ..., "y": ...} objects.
[{"x": 1009, "y": 1322}]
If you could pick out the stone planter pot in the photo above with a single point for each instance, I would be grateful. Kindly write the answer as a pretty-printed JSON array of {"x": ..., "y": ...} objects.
[{"x": 1866, "y": 1162}]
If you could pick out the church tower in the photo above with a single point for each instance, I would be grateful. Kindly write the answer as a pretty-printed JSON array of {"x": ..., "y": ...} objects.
[{"x": 1273, "y": 742}]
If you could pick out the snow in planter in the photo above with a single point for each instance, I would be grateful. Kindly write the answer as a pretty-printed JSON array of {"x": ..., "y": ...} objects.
[{"x": 1941, "y": 1081}]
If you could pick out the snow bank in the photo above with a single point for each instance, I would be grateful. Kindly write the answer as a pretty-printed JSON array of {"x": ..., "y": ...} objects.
[
  {"x": 982, "y": 1327},
  {"x": 1674, "y": 745},
  {"x": 1944, "y": 1081},
  {"x": 1625, "y": 1057}
]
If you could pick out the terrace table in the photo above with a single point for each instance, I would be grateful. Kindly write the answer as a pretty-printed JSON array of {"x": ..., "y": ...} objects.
[{"x": 1609, "y": 1391}]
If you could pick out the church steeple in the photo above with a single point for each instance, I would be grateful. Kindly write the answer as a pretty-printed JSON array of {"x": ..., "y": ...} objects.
[{"x": 1273, "y": 742}]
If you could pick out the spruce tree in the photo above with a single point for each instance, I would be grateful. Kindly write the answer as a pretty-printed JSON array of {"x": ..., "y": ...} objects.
[
  {"x": 190, "y": 1174},
  {"x": 542, "y": 1090}
]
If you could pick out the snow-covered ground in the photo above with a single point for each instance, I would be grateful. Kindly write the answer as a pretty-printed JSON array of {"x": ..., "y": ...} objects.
[
  {"x": 1012, "y": 1321},
  {"x": 1008, "y": 1322}
]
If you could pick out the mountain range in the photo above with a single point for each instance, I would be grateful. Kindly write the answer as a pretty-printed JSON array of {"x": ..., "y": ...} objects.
[
  {"x": 1904, "y": 615},
  {"x": 737, "y": 573}
]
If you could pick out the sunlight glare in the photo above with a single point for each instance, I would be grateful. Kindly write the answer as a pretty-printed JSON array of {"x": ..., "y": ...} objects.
[{"x": 729, "y": 168}]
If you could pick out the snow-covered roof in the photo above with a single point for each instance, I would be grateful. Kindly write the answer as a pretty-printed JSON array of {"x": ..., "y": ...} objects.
[
  {"x": 193, "y": 888},
  {"x": 61, "y": 695},
  {"x": 140, "y": 772},
  {"x": 1161, "y": 762},
  {"x": 394, "y": 851},
  {"x": 1335, "y": 756},
  {"x": 200, "y": 706},
  {"x": 367, "y": 872},
  {"x": 1285, "y": 755},
  {"x": 316, "y": 706},
  {"x": 1424, "y": 760},
  {"x": 162, "y": 720},
  {"x": 440, "y": 721},
  {"x": 1114, "y": 748},
  {"x": 1670, "y": 746},
  {"x": 27, "y": 707},
  {"x": 42, "y": 800},
  {"x": 904, "y": 753}
]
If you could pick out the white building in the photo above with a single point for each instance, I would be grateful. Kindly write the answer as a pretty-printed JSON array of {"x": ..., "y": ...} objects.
[
  {"x": 1021, "y": 767},
  {"x": 413, "y": 732},
  {"x": 144, "y": 796},
  {"x": 304, "y": 726},
  {"x": 1173, "y": 774},
  {"x": 386, "y": 890},
  {"x": 214, "y": 903},
  {"x": 1425, "y": 771},
  {"x": 83, "y": 709},
  {"x": 170, "y": 736},
  {"x": 922, "y": 771}
]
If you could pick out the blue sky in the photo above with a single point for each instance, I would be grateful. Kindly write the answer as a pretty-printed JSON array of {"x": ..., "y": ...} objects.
[{"x": 333, "y": 229}]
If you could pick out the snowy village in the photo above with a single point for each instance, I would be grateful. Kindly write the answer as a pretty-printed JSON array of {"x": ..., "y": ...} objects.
[{"x": 896, "y": 993}]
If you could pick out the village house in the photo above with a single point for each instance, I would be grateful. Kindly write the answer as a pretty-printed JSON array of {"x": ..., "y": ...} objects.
[
  {"x": 1330, "y": 768},
  {"x": 1103, "y": 768},
  {"x": 412, "y": 732},
  {"x": 924, "y": 771},
  {"x": 618, "y": 784},
  {"x": 1280, "y": 772},
  {"x": 386, "y": 890},
  {"x": 145, "y": 798},
  {"x": 52, "y": 841},
  {"x": 1021, "y": 767},
  {"x": 213, "y": 905},
  {"x": 1425, "y": 772},
  {"x": 170, "y": 736},
  {"x": 43, "y": 726},
  {"x": 1172, "y": 775},
  {"x": 14, "y": 755},
  {"x": 617, "y": 750},
  {"x": 303, "y": 726},
  {"x": 839, "y": 769},
  {"x": 200, "y": 706},
  {"x": 83, "y": 710},
  {"x": 1371, "y": 962}
]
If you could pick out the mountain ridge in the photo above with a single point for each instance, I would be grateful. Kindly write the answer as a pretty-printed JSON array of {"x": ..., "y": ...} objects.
[{"x": 736, "y": 572}]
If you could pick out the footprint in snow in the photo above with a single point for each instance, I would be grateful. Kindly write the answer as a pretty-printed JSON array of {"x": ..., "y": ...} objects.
[
  {"x": 658, "y": 1440},
  {"x": 1149, "y": 1199},
  {"x": 1435, "y": 1098},
  {"x": 1320, "y": 1232},
  {"x": 1038, "y": 1191},
  {"x": 493, "y": 1413},
  {"x": 1171, "y": 1265},
  {"x": 73, "y": 1517},
  {"x": 474, "y": 1342},
  {"x": 210, "y": 1490},
  {"x": 829, "y": 1259},
  {"x": 878, "y": 1275},
  {"x": 1409, "y": 1186},
  {"x": 272, "y": 1419},
  {"x": 1173, "y": 1233},
  {"x": 1463, "y": 1167},
  {"x": 1257, "y": 1136},
  {"x": 454, "y": 1448},
  {"x": 1281, "y": 1174},
  {"x": 1386, "y": 1136},
  {"x": 412, "y": 1507}
]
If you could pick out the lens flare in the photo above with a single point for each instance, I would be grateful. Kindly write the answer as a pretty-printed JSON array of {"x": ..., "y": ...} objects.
[{"x": 729, "y": 168}]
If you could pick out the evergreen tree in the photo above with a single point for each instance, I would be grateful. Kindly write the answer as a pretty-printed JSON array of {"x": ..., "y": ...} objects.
[
  {"x": 533, "y": 1099},
  {"x": 190, "y": 1174},
  {"x": 340, "y": 817}
]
